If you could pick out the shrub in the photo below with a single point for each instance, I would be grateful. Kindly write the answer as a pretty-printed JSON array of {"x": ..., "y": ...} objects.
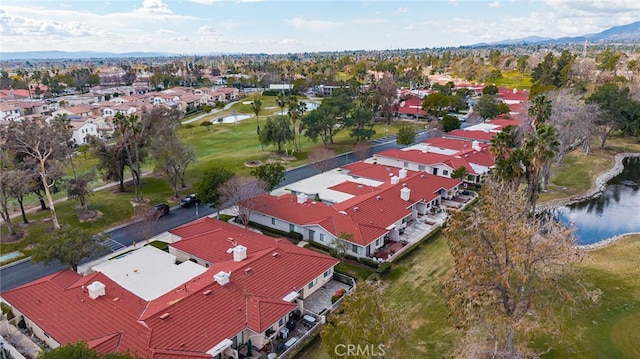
[
  {"x": 384, "y": 268},
  {"x": 368, "y": 262},
  {"x": 6, "y": 309}
]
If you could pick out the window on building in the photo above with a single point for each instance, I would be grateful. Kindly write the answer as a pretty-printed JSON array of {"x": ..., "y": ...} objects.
[
  {"x": 321, "y": 237},
  {"x": 292, "y": 227},
  {"x": 445, "y": 172},
  {"x": 312, "y": 283},
  {"x": 379, "y": 242},
  {"x": 327, "y": 273},
  {"x": 273, "y": 221},
  {"x": 421, "y": 167},
  {"x": 355, "y": 248},
  {"x": 435, "y": 171},
  {"x": 312, "y": 234},
  {"x": 282, "y": 321},
  {"x": 406, "y": 164}
]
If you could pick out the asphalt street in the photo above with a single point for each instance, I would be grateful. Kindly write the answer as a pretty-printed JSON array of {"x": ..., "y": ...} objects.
[{"x": 16, "y": 274}]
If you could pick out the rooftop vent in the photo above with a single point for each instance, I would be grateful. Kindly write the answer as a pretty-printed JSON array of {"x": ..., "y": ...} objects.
[
  {"x": 239, "y": 253},
  {"x": 395, "y": 180},
  {"x": 206, "y": 292},
  {"x": 165, "y": 316},
  {"x": 302, "y": 198},
  {"x": 222, "y": 277},
  {"x": 275, "y": 254},
  {"x": 356, "y": 208},
  {"x": 378, "y": 198},
  {"x": 405, "y": 193},
  {"x": 248, "y": 270},
  {"x": 96, "y": 289},
  {"x": 402, "y": 173}
]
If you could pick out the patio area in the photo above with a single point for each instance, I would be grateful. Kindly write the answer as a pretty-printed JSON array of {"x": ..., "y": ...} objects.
[{"x": 321, "y": 299}]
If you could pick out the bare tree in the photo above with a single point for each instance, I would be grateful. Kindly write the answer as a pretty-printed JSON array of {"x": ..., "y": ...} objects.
[
  {"x": 387, "y": 95},
  {"x": 44, "y": 144},
  {"x": 172, "y": 160},
  {"x": 361, "y": 151},
  {"x": 322, "y": 158},
  {"x": 512, "y": 271},
  {"x": 240, "y": 193}
]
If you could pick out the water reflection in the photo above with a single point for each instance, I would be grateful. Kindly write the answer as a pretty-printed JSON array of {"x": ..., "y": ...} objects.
[{"x": 615, "y": 211}]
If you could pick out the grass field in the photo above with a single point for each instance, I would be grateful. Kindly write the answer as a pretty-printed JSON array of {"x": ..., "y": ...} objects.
[
  {"x": 224, "y": 145},
  {"x": 608, "y": 329}
]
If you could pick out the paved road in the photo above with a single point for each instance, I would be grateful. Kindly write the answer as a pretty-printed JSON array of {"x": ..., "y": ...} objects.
[{"x": 14, "y": 275}]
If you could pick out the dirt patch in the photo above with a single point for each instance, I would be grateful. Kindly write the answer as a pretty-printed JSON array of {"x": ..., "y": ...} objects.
[
  {"x": 89, "y": 215},
  {"x": 253, "y": 163},
  {"x": 277, "y": 158},
  {"x": 13, "y": 238}
]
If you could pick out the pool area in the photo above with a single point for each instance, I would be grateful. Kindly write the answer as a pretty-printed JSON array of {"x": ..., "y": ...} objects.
[
  {"x": 231, "y": 119},
  {"x": 9, "y": 256}
]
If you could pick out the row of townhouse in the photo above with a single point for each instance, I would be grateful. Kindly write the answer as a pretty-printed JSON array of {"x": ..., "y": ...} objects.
[
  {"x": 365, "y": 205},
  {"x": 244, "y": 288}
]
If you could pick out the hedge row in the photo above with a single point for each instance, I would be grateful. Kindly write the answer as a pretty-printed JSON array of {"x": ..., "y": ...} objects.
[{"x": 295, "y": 236}]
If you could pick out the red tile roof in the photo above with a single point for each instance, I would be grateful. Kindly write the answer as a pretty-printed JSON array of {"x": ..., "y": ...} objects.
[
  {"x": 367, "y": 215},
  {"x": 471, "y": 135},
  {"x": 197, "y": 319}
]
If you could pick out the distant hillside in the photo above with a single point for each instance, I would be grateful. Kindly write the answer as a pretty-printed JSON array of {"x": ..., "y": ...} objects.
[
  {"x": 42, "y": 55},
  {"x": 630, "y": 32}
]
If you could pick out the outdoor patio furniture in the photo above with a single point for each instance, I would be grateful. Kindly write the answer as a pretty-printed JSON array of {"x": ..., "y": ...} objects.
[
  {"x": 290, "y": 342},
  {"x": 308, "y": 321}
]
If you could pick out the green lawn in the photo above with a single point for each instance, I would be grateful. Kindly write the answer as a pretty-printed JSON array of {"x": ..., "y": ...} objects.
[
  {"x": 225, "y": 145},
  {"x": 608, "y": 329}
]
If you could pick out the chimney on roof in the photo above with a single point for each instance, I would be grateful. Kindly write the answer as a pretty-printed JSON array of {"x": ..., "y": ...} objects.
[
  {"x": 402, "y": 173},
  {"x": 222, "y": 277},
  {"x": 239, "y": 252},
  {"x": 96, "y": 289},
  {"x": 405, "y": 193},
  {"x": 395, "y": 180},
  {"x": 425, "y": 148},
  {"x": 302, "y": 198},
  {"x": 475, "y": 145}
]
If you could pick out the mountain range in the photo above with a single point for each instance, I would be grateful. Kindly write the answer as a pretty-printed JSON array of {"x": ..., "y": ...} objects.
[{"x": 623, "y": 33}]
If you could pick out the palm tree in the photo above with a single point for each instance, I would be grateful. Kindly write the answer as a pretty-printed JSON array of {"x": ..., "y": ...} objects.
[
  {"x": 540, "y": 109},
  {"x": 293, "y": 113},
  {"x": 281, "y": 100},
  {"x": 256, "y": 107},
  {"x": 540, "y": 147}
]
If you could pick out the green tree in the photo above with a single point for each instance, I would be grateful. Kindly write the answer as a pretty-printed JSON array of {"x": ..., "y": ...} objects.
[
  {"x": 436, "y": 104},
  {"x": 487, "y": 107},
  {"x": 69, "y": 245},
  {"x": 618, "y": 110},
  {"x": 512, "y": 273},
  {"x": 366, "y": 319},
  {"x": 460, "y": 173},
  {"x": 271, "y": 173},
  {"x": 539, "y": 148},
  {"x": 360, "y": 123},
  {"x": 406, "y": 135},
  {"x": 78, "y": 187},
  {"x": 277, "y": 130},
  {"x": 209, "y": 183},
  {"x": 327, "y": 120},
  {"x": 490, "y": 90},
  {"x": 450, "y": 123}
]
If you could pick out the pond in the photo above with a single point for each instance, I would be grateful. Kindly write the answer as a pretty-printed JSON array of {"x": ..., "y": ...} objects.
[
  {"x": 231, "y": 119},
  {"x": 614, "y": 212}
]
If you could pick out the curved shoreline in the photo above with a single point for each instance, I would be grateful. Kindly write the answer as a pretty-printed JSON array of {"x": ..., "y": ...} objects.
[{"x": 600, "y": 184}]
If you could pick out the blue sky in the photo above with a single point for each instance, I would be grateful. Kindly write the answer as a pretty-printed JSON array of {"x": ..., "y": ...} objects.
[{"x": 273, "y": 26}]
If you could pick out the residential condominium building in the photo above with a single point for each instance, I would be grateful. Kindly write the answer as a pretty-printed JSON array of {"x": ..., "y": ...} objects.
[
  {"x": 362, "y": 205},
  {"x": 244, "y": 289}
]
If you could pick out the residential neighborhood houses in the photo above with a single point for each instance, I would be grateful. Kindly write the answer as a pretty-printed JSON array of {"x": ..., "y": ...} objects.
[
  {"x": 243, "y": 290},
  {"x": 220, "y": 290}
]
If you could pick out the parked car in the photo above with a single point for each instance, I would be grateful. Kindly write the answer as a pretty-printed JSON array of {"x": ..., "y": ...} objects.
[
  {"x": 159, "y": 210},
  {"x": 189, "y": 200}
]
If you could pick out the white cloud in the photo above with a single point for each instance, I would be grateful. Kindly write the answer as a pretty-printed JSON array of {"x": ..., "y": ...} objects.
[
  {"x": 153, "y": 7},
  {"x": 245, "y": 1},
  {"x": 312, "y": 25},
  {"x": 409, "y": 27},
  {"x": 205, "y": 2},
  {"x": 402, "y": 9},
  {"x": 368, "y": 21},
  {"x": 290, "y": 42},
  {"x": 209, "y": 31},
  {"x": 494, "y": 4}
]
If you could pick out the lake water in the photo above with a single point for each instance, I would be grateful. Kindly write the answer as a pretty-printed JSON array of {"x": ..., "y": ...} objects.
[{"x": 616, "y": 211}]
